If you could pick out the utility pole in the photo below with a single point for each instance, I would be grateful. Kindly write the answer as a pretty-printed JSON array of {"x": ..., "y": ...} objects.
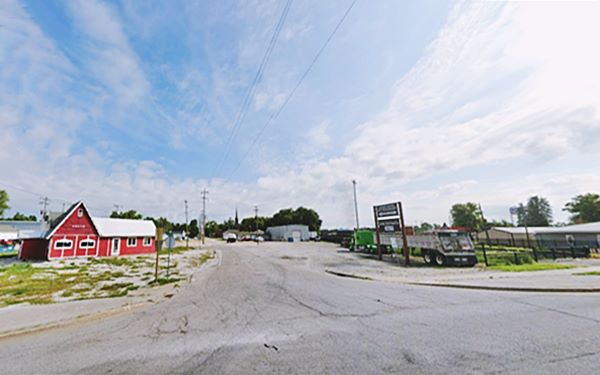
[
  {"x": 485, "y": 226},
  {"x": 204, "y": 198},
  {"x": 256, "y": 223},
  {"x": 355, "y": 214},
  {"x": 187, "y": 237},
  {"x": 355, "y": 204},
  {"x": 44, "y": 202}
]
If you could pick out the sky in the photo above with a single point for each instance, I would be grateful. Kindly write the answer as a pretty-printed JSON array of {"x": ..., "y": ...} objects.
[{"x": 143, "y": 105}]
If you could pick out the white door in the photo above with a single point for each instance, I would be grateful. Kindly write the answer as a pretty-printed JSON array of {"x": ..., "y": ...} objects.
[
  {"x": 116, "y": 246},
  {"x": 296, "y": 235}
]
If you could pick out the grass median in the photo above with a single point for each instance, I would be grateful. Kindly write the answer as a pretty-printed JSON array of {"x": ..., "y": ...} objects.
[{"x": 529, "y": 267}]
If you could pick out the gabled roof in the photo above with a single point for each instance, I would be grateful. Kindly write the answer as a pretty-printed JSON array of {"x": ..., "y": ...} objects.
[
  {"x": 56, "y": 223},
  {"x": 110, "y": 227}
]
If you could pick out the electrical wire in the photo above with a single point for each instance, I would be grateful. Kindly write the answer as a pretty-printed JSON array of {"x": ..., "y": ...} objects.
[
  {"x": 276, "y": 114},
  {"x": 241, "y": 115}
]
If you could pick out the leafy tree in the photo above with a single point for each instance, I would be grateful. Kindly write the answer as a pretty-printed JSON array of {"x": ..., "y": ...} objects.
[
  {"x": 467, "y": 215},
  {"x": 131, "y": 214},
  {"x": 423, "y": 228},
  {"x": 502, "y": 223},
  {"x": 301, "y": 215},
  {"x": 249, "y": 224},
  {"x": 537, "y": 212},
  {"x": 308, "y": 216},
  {"x": 584, "y": 208},
  {"x": 21, "y": 217},
  {"x": 3, "y": 202},
  {"x": 211, "y": 229},
  {"x": 161, "y": 222},
  {"x": 193, "y": 229}
]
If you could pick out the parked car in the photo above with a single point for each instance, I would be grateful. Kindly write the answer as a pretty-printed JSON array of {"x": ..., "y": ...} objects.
[{"x": 230, "y": 237}]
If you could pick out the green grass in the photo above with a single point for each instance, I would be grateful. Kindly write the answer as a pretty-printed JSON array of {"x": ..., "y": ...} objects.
[
  {"x": 592, "y": 273},
  {"x": 115, "y": 261},
  {"x": 530, "y": 267},
  {"x": 21, "y": 282},
  {"x": 176, "y": 250},
  {"x": 9, "y": 255}
]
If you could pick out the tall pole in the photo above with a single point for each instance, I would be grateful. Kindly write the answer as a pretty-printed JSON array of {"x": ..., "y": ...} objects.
[
  {"x": 487, "y": 234},
  {"x": 379, "y": 255},
  {"x": 355, "y": 204},
  {"x": 356, "y": 215},
  {"x": 44, "y": 203},
  {"x": 187, "y": 237},
  {"x": 256, "y": 222},
  {"x": 204, "y": 198},
  {"x": 404, "y": 240}
]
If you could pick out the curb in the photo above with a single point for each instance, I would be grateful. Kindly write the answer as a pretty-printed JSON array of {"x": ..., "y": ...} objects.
[
  {"x": 473, "y": 287},
  {"x": 69, "y": 322},
  {"x": 509, "y": 289}
]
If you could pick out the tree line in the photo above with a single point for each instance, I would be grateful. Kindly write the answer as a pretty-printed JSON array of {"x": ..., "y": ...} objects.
[
  {"x": 536, "y": 212},
  {"x": 286, "y": 216}
]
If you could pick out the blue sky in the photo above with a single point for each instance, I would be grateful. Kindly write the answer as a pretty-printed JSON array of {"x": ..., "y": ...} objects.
[{"x": 429, "y": 102}]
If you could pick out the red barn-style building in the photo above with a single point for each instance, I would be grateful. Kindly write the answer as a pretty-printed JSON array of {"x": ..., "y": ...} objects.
[{"x": 76, "y": 234}]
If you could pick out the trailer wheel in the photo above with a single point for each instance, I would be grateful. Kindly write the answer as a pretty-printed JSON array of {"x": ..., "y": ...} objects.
[
  {"x": 440, "y": 259},
  {"x": 427, "y": 257}
]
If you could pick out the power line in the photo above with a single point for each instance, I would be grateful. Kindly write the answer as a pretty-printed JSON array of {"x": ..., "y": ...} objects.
[
  {"x": 241, "y": 115},
  {"x": 291, "y": 94}
]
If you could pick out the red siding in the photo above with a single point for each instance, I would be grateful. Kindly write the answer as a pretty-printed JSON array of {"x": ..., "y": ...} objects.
[
  {"x": 138, "y": 249},
  {"x": 77, "y": 229},
  {"x": 34, "y": 249},
  {"x": 106, "y": 246},
  {"x": 75, "y": 225}
]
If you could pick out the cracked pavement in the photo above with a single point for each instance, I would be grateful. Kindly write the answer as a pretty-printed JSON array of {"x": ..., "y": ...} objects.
[{"x": 272, "y": 309}]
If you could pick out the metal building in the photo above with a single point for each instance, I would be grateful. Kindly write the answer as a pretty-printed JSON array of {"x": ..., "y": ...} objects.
[{"x": 290, "y": 233}]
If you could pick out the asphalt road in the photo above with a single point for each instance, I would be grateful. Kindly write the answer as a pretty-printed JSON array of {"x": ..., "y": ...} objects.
[{"x": 271, "y": 309}]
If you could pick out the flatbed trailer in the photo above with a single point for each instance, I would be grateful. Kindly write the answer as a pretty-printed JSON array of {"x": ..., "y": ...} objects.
[{"x": 441, "y": 247}]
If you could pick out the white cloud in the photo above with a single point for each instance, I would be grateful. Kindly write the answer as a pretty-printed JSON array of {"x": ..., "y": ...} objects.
[
  {"x": 500, "y": 82},
  {"x": 318, "y": 135},
  {"x": 112, "y": 62}
]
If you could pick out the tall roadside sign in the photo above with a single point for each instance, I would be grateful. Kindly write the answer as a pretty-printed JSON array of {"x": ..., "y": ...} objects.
[{"x": 390, "y": 218}]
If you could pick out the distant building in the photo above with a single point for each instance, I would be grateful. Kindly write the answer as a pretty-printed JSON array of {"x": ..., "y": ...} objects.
[
  {"x": 290, "y": 233},
  {"x": 76, "y": 234},
  {"x": 577, "y": 235},
  {"x": 17, "y": 230}
]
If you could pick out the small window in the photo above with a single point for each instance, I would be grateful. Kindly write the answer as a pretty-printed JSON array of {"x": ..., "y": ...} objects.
[
  {"x": 147, "y": 241},
  {"x": 80, "y": 212},
  {"x": 131, "y": 242},
  {"x": 570, "y": 239},
  {"x": 63, "y": 244},
  {"x": 87, "y": 244}
]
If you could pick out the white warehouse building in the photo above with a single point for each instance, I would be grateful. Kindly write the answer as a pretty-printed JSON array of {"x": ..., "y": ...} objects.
[{"x": 290, "y": 233}]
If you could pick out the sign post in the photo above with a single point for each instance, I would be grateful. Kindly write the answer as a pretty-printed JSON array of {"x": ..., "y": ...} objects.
[
  {"x": 158, "y": 241},
  {"x": 390, "y": 218},
  {"x": 379, "y": 255}
]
